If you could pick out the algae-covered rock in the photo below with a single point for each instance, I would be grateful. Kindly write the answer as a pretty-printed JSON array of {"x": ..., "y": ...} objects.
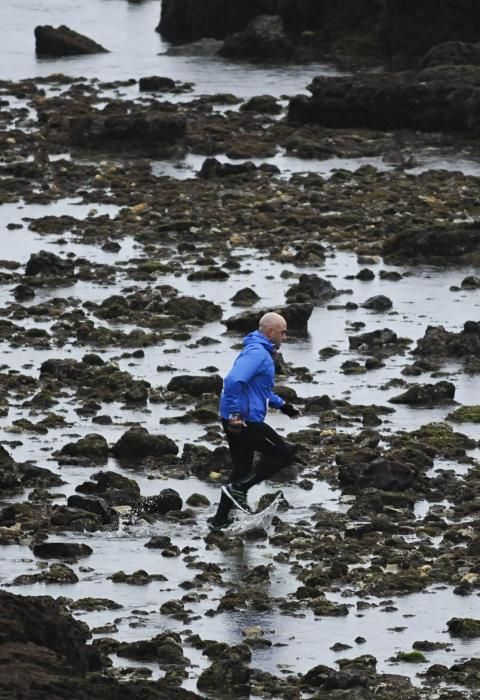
[
  {"x": 465, "y": 414},
  {"x": 465, "y": 627},
  {"x": 92, "y": 446}
]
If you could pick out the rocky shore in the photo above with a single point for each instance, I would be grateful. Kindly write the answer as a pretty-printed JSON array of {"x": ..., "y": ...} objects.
[{"x": 117, "y": 324}]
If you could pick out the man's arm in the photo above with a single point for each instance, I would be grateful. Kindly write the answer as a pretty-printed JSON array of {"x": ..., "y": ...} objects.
[{"x": 245, "y": 367}]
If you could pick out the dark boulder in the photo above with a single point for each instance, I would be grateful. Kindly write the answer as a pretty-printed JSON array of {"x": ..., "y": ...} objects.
[
  {"x": 311, "y": 288},
  {"x": 231, "y": 675},
  {"x": 373, "y": 339},
  {"x": 197, "y": 311},
  {"x": 264, "y": 104},
  {"x": 378, "y": 303},
  {"x": 138, "y": 443},
  {"x": 264, "y": 39},
  {"x": 62, "y": 550},
  {"x": 438, "y": 342},
  {"x": 213, "y": 168},
  {"x": 391, "y": 29},
  {"x": 436, "y": 246},
  {"x": 165, "y": 501},
  {"x": 149, "y": 131},
  {"x": 92, "y": 446},
  {"x": 296, "y": 316},
  {"x": 471, "y": 282},
  {"x": 426, "y": 394},
  {"x": 434, "y": 99},
  {"x": 45, "y": 263},
  {"x": 196, "y": 385},
  {"x": 115, "y": 488},
  {"x": 44, "y": 656},
  {"x": 382, "y": 474},
  {"x": 245, "y": 297},
  {"x": 452, "y": 53},
  {"x": 62, "y": 41},
  {"x": 156, "y": 83},
  {"x": 91, "y": 504}
]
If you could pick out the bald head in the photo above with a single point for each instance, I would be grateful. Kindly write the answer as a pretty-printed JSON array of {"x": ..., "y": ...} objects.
[{"x": 274, "y": 327}]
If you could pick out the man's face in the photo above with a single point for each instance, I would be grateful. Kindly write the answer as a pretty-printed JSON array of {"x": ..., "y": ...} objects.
[{"x": 278, "y": 333}]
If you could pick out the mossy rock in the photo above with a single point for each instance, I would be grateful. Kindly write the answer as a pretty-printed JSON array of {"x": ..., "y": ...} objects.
[
  {"x": 411, "y": 657},
  {"x": 465, "y": 414},
  {"x": 465, "y": 627}
]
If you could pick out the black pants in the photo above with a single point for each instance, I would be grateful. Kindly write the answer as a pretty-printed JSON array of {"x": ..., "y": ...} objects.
[{"x": 256, "y": 437}]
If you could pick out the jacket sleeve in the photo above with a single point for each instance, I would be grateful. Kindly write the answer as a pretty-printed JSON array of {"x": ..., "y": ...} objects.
[
  {"x": 245, "y": 367},
  {"x": 275, "y": 401}
]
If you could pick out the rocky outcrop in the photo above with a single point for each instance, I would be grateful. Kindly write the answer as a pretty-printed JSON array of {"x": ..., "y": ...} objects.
[
  {"x": 433, "y": 99},
  {"x": 452, "y": 53},
  {"x": 264, "y": 39},
  {"x": 457, "y": 245},
  {"x": 138, "y": 443},
  {"x": 426, "y": 394},
  {"x": 296, "y": 316},
  {"x": 62, "y": 41},
  {"x": 45, "y": 263},
  {"x": 196, "y": 385},
  {"x": 389, "y": 29},
  {"x": 44, "y": 656},
  {"x": 141, "y": 129}
]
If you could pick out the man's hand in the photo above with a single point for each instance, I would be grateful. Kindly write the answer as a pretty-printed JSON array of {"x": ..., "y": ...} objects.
[
  {"x": 235, "y": 424},
  {"x": 290, "y": 410}
]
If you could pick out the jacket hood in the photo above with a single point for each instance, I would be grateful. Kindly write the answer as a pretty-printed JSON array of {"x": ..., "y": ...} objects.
[{"x": 257, "y": 338}]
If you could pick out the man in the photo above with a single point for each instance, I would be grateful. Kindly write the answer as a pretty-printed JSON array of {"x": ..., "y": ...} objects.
[{"x": 247, "y": 393}]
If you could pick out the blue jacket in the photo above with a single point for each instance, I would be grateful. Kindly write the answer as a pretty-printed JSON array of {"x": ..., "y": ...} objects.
[{"x": 247, "y": 388}]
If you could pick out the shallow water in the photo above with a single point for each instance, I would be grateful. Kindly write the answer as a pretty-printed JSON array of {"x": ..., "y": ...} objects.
[{"x": 420, "y": 299}]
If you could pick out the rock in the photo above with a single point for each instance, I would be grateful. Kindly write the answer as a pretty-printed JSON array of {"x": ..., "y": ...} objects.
[
  {"x": 213, "y": 168},
  {"x": 45, "y": 655},
  {"x": 114, "y": 488},
  {"x": 91, "y": 504},
  {"x": 62, "y": 550},
  {"x": 264, "y": 39},
  {"x": 62, "y": 41},
  {"x": 231, "y": 675},
  {"x": 165, "y": 501},
  {"x": 196, "y": 311},
  {"x": 435, "y": 246},
  {"x": 296, "y": 316},
  {"x": 427, "y": 100},
  {"x": 471, "y": 282},
  {"x": 138, "y": 129},
  {"x": 378, "y": 303},
  {"x": 245, "y": 297},
  {"x": 45, "y": 263},
  {"x": 196, "y": 385},
  {"x": 371, "y": 30},
  {"x": 365, "y": 275},
  {"x": 23, "y": 292},
  {"x": 164, "y": 648},
  {"x": 138, "y": 443},
  {"x": 155, "y": 83},
  {"x": 426, "y": 394},
  {"x": 373, "y": 339},
  {"x": 265, "y": 104},
  {"x": 452, "y": 53},
  {"x": 383, "y": 474},
  {"x": 92, "y": 446},
  {"x": 464, "y": 627},
  {"x": 311, "y": 288}
]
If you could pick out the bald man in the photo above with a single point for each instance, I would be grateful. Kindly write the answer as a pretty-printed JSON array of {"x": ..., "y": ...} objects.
[{"x": 247, "y": 394}]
